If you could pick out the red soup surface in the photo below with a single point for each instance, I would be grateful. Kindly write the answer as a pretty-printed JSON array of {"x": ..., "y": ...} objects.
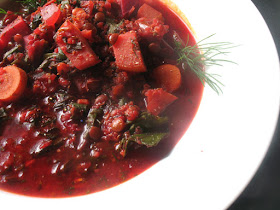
[{"x": 92, "y": 94}]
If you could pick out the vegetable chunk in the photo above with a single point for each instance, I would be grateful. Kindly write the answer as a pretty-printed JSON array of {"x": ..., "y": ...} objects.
[
  {"x": 13, "y": 81},
  {"x": 157, "y": 100},
  {"x": 168, "y": 77},
  {"x": 127, "y": 53},
  {"x": 18, "y": 26},
  {"x": 50, "y": 14},
  {"x": 127, "y": 5},
  {"x": 149, "y": 12},
  {"x": 79, "y": 53}
]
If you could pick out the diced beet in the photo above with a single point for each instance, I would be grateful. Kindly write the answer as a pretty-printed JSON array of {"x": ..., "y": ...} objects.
[
  {"x": 44, "y": 32},
  {"x": 151, "y": 29},
  {"x": 88, "y": 6},
  {"x": 158, "y": 100},
  {"x": 127, "y": 53},
  {"x": 36, "y": 42},
  {"x": 126, "y": 5},
  {"x": 50, "y": 14},
  {"x": 18, "y": 26},
  {"x": 80, "y": 54},
  {"x": 34, "y": 48},
  {"x": 149, "y": 12}
]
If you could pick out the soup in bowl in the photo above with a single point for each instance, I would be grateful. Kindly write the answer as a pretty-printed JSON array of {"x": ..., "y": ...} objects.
[{"x": 93, "y": 93}]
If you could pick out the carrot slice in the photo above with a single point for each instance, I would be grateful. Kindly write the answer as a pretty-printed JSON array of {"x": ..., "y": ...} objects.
[
  {"x": 13, "y": 81},
  {"x": 168, "y": 77}
]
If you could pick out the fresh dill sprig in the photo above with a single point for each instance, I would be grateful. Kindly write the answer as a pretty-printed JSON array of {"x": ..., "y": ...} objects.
[
  {"x": 201, "y": 55},
  {"x": 2, "y": 11},
  {"x": 33, "y": 4}
]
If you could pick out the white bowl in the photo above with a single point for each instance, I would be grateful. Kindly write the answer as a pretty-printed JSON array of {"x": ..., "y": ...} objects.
[{"x": 229, "y": 136}]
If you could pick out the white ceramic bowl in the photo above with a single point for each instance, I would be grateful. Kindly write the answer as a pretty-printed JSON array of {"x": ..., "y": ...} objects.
[{"x": 228, "y": 138}]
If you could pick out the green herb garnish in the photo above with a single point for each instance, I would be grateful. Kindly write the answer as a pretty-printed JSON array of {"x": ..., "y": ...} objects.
[
  {"x": 3, "y": 114},
  {"x": 113, "y": 26},
  {"x": 33, "y": 4},
  {"x": 2, "y": 11},
  {"x": 147, "y": 139},
  {"x": 149, "y": 122},
  {"x": 202, "y": 55},
  {"x": 60, "y": 56},
  {"x": 154, "y": 128}
]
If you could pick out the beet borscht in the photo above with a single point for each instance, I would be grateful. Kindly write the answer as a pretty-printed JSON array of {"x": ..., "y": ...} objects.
[{"x": 91, "y": 93}]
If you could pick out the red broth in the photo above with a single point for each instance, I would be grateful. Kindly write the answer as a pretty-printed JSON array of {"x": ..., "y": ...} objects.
[{"x": 42, "y": 152}]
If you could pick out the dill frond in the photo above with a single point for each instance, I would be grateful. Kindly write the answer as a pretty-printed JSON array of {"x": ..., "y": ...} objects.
[
  {"x": 202, "y": 55},
  {"x": 32, "y": 4},
  {"x": 2, "y": 11}
]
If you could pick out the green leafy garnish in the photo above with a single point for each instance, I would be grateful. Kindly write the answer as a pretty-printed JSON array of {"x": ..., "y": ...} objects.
[
  {"x": 81, "y": 107},
  {"x": 60, "y": 56},
  {"x": 147, "y": 139},
  {"x": 149, "y": 122},
  {"x": 154, "y": 130},
  {"x": 3, "y": 115},
  {"x": 2, "y": 11},
  {"x": 10, "y": 52},
  {"x": 61, "y": 100},
  {"x": 113, "y": 26},
  {"x": 92, "y": 115},
  {"x": 90, "y": 121},
  {"x": 37, "y": 19},
  {"x": 201, "y": 55},
  {"x": 33, "y": 4}
]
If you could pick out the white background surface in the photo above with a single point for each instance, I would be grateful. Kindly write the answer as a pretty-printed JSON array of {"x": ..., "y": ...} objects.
[{"x": 228, "y": 138}]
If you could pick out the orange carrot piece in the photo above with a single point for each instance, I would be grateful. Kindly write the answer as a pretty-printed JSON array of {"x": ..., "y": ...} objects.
[
  {"x": 13, "y": 81},
  {"x": 149, "y": 12},
  {"x": 168, "y": 77}
]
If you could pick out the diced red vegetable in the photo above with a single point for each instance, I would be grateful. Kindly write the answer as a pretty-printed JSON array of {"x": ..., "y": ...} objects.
[
  {"x": 151, "y": 30},
  {"x": 88, "y": 35},
  {"x": 50, "y": 14},
  {"x": 34, "y": 48},
  {"x": 127, "y": 5},
  {"x": 88, "y": 6},
  {"x": 36, "y": 42},
  {"x": 80, "y": 54},
  {"x": 9, "y": 17},
  {"x": 44, "y": 32},
  {"x": 18, "y": 26},
  {"x": 158, "y": 100},
  {"x": 127, "y": 53},
  {"x": 149, "y": 12}
]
